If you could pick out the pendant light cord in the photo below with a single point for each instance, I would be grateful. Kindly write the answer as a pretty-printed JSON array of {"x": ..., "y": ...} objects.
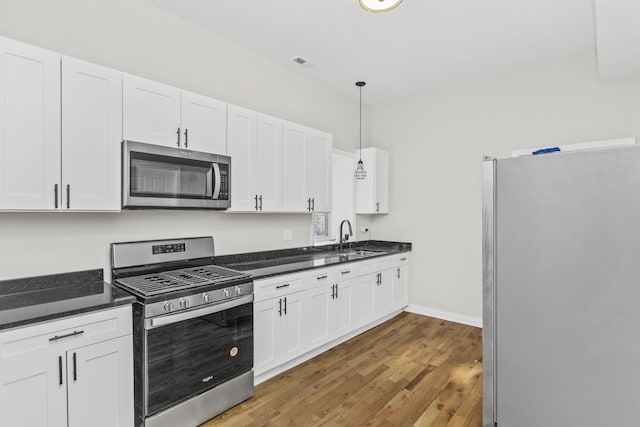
[{"x": 360, "y": 122}]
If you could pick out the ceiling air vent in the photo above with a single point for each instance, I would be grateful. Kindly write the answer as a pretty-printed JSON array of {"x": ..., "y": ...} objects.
[{"x": 304, "y": 62}]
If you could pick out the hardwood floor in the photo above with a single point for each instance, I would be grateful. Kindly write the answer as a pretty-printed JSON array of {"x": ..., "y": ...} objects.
[{"x": 410, "y": 371}]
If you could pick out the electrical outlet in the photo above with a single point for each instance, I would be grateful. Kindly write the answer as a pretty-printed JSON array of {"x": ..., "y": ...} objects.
[
  {"x": 287, "y": 234},
  {"x": 364, "y": 229}
]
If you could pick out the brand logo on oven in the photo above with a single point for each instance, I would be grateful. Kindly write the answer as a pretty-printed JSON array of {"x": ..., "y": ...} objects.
[{"x": 207, "y": 379}]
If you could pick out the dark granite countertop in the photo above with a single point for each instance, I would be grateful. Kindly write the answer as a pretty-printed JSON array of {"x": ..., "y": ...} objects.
[
  {"x": 284, "y": 261},
  {"x": 37, "y": 299}
]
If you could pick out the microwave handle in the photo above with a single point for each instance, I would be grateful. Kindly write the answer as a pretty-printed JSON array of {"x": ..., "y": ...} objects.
[{"x": 216, "y": 180}]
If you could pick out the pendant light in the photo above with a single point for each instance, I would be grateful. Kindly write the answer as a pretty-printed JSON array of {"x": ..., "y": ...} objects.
[
  {"x": 360, "y": 172},
  {"x": 379, "y": 5}
]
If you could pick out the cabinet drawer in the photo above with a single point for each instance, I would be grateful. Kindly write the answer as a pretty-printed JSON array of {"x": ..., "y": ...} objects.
[
  {"x": 323, "y": 276},
  {"x": 280, "y": 285},
  {"x": 402, "y": 259},
  {"x": 76, "y": 331}
]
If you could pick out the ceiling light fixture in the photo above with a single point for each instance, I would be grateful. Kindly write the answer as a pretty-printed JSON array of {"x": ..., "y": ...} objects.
[
  {"x": 379, "y": 5},
  {"x": 360, "y": 172}
]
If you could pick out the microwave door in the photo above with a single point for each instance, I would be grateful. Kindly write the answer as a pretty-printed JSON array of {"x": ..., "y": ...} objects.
[{"x": 216, "y": 180}]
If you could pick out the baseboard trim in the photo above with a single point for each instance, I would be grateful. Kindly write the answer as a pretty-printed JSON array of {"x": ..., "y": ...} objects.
[{"x": 445, "y": 315}]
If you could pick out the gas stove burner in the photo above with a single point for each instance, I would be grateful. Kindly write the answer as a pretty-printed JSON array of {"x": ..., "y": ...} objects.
[{"x": 148, "y": 285}]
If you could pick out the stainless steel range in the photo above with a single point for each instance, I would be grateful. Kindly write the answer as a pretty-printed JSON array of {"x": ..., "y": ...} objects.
[{"x": 193, "y": 330}]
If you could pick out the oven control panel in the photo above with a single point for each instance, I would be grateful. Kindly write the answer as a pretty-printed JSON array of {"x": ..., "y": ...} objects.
[{"x": 186, "y": 302}]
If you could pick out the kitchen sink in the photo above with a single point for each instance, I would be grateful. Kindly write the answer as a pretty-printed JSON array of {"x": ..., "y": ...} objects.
[{"x": 360, "y": 253}]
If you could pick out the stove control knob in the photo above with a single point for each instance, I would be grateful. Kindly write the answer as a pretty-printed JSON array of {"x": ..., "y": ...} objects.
[
  {"x": 206, "y": 298},
  {"x": 184, "y": 303},
  {"x": 226, "y": 293},
  {"x": 238, "y": 290},
  {"x": 168, "y": 306}
]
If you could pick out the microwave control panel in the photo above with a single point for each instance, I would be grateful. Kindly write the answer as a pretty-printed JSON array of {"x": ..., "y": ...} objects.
[{"x": 224, "y": 182}]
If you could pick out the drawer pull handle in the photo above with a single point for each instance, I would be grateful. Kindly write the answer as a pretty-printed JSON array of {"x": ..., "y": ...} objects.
[
  {"x": 283, "y": 286},
  {"x": 403, "y": 259},
  {"x": 72, "y": 334},
  {"x": 346, "y": 272},
  {"x": 324, "y": 276}
]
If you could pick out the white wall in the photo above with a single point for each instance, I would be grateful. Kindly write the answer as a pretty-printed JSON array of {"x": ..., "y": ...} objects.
[
  {"x": 135, "y": 37},
  {"x": 437, "y": 142}
]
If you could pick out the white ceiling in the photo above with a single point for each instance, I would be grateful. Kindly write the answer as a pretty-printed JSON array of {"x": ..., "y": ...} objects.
[{"x": 420, "y": 46}]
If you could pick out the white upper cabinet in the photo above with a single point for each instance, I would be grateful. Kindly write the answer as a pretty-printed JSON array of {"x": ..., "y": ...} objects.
[
  {"x": 318, "y": 170},
  {"x": 29, "y": 127},
  {"x": 91, "y": 136},
  {"x": 255, "y": 146},
  {"x": 156, "y": 113},
  {"x": 269, "y": 163},
  {"x": 306, "y": 169},
  {"x": 151, "y": 112},
  {"x": 204, "y": 123},
  {"x": 294, "y": 189},
  {"x": 373, "y": 191},
  {"x": 241, "y": 145}
]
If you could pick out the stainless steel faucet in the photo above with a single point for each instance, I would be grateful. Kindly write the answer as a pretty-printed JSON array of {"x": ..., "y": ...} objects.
[{"x": 345, "y": 237}]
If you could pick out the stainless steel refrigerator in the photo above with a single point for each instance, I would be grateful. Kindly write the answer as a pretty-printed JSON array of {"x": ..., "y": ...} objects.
[{"x": 561, "y": 273}]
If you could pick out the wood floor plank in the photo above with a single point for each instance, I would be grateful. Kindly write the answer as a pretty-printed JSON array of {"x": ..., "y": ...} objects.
[{"x": 410, "y": 371}]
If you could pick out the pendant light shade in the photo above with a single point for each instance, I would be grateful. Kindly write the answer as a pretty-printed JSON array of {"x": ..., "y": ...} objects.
[
  {"x": 360, "y": 172},
  {"x": 379, "y": 5}
]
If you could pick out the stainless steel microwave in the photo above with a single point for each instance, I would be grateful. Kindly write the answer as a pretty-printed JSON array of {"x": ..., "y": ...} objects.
[{"x": 155, "y": 176}]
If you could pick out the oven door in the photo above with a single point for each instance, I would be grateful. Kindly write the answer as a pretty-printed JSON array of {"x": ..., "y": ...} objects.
[
  {"x": 190, "y": 352},
  {"x": 158, "y": 176}
]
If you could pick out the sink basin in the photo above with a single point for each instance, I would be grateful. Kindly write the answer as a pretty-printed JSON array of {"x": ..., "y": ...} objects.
[{"x": 360, "y": 253}]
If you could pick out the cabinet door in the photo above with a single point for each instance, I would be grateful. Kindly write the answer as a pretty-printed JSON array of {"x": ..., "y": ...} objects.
[
  {"x": 381, "y": 182},
  {"x": 204, "y": 123},
  {"x": 401, "y": 287},
  {"x": 29, "y": 127},
  {"x": 318, "y": 170},
  {"x": 100, "y": 384},
  {"x": 269, "y": 163},
  {"x": 294, "y": 187},
  {"x": 383, "y": 296},
  {"x": 91, "y": 136},
  {"x": 151, "y": 112},
  {"x": 266, "y": 324},
  {"x": 34, "y": 392},
  {"x": 318, "y": 315},
  {"x": 341, "y": 313},
  {"x": 362, "y": 301},
  {"x": 291, "y": 344},
  {"x": 241, "y": 133}
]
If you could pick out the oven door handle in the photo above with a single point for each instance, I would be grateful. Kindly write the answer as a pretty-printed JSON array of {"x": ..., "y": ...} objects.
[{"x": 198, "y": 312}]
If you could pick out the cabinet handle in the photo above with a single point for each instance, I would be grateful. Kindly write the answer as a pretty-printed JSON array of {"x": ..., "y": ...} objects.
[
  {"x": 285, "y": 306},
  {"x": 280, "y": 306},
  {"x": 256, "y": 198},
  {"x": 346, "y": 272},
  {"x": 403, "y": 259},
  {"x": 333, "y": 291},
  {"x": 68, "y": 196},
  {"x": 377, "y": 206},
  {"x": 324, "y": 276},
  {"x": 398, "y": 272},
  {"x": 283, "y": 286},
  {"x": 379, "y": 279},
  {"x": 178, "y": 132},
  {"x": 75, "y": 368},
  {"x": 186, "y": 138},
  {"x": 60, "y": 370},
  {"x": 336, "y": 291},
  {"x": 313, "y": 204},
  {"x": 55, "y": 195},
  {"x": 309, "y": 204},
  {"x": 72, "y": 334},
  {"x": 260, "y": 198}
]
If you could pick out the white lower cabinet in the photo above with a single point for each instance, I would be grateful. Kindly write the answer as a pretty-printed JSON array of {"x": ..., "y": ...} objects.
[
  {"x": 328, "y": 313},
  {"x": 300, "y": 313},
  {"x": 71, "y": 372},
  {"x": 277, "y": 330}
]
